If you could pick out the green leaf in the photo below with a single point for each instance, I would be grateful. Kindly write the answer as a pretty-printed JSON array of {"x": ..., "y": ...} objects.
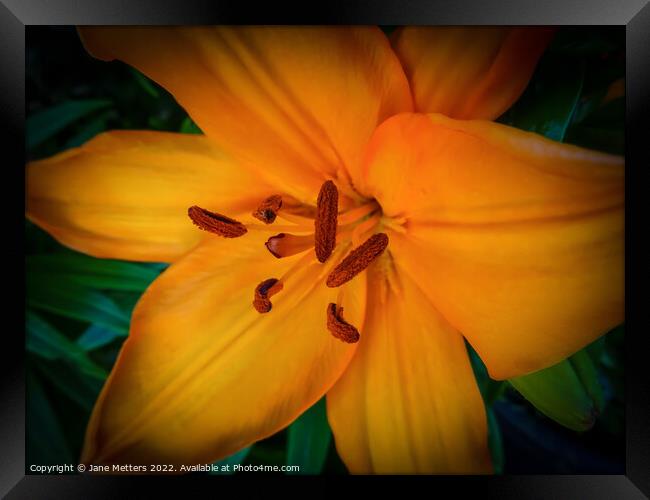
[
  {"x": 309, "y": 439},
  {"x": 159, "y": 267},
  {"x": 491, "y": 390},
  {"x": 156, "y": 123},
  {"x": 126, "y": 301},
  {"x": 96, "y": 336},
  {"x": 265, "y": 453},
  {"x": 595, "y": 350},
  {"x": 44, "y": 340},
  {"x": 37, "y": 240},
  {"x": 95, "y": 273},
  {"x": 586, "y": 371},
  {"x": 495, "y": 442},
  {"x": 562, "y": 393},
  {"x": 189, "y": 127},
  {"x": 90, "y": 130},
  {"x": 67, "y": 298},
  {"x": 612, "y": 362},
  {"x": 607, "y": 140},
  {"x": 44, "y": 124},
  {"x": 46, "y": 444},
  {"x": 593, "y": 111},
  {"x": 608, "y": 116},
  {"x": 549, "y": 102},
  {"x": 229, "y": 462},
  {"x": 81, "y": 390},
  {"x": 41, "y": 337},
  {"x": 615, "y": 343},
  {"x": 145, "y": 83}
]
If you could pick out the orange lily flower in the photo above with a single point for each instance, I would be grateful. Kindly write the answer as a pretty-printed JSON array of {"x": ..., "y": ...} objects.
[{"x": 331, "y": 138}]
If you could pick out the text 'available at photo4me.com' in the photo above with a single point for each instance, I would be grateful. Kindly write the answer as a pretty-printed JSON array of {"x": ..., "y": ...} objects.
[{"x": 154, "y": 468}]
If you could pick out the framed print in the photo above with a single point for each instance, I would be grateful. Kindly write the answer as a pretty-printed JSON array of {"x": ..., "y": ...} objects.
[{"x": 353, "y": 240}]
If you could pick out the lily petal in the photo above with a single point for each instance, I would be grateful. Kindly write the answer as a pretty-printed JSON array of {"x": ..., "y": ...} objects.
[
  {"x": 408, "y": 402},
  {"x": 516, "y": 239},
  {"x": 469, "y": 73},
  {"x": 296, "y": 103},
  {"x": 125, "y": 194},
  {"x": 203, "y": 374}
]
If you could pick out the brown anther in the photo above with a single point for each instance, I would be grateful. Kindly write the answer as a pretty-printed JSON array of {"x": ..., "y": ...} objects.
[
  {"x": 327, "y": 208},
  {"x": 268, "y": 209},
  {"x": 263, "y": 292},
  {"x": 358, "y": 260},
  {"x": 340, "y": 328},
  {"x": 216, "y": 223}
]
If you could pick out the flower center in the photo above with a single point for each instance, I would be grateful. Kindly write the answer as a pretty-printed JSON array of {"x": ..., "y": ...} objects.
[{"x": 355, "y": 227}]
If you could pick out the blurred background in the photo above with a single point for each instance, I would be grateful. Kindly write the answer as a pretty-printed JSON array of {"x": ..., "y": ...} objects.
[{"x": 568, "y": 419}]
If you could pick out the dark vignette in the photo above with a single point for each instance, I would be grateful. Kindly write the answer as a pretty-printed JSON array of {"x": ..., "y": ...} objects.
[{"x": 412, "y": 12}]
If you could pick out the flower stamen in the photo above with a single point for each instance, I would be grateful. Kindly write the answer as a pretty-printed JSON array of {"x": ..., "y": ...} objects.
[
  {"x": 285, "y": 245},
  {"x": 325, "y": 222},
  {"x": 268, "y": 210},
  {"x": 358, "y": 260},
  {"x": 263, "y": 292},
  {"x": 216, "y": 223},
  {"x": 340, "y": 328}
]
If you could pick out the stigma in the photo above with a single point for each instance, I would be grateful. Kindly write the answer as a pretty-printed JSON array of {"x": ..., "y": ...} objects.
[{"x": 331, "y": 231}]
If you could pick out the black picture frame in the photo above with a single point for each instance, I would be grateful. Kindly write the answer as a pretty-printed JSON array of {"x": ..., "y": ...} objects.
[{"x": 15, "y": 15}]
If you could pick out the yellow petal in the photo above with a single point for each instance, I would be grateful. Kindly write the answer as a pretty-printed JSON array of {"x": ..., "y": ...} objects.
[
  {"x": 516, "y": 239},
  {"x": 296, "y": 103},
  {"x": 125, "y": 194},
  {"x": 203, "y": 374},
  {"x": 408, "y": 402},
  {"x": 473, "y": 72}
]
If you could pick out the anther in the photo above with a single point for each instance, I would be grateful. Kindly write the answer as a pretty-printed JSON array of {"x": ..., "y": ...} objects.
[
  {"x": 325, "y": 223},
  {"x": 263, "y": 292},
  {"x": 340, "y": 328},
  {"x": 216, "y": 223},
  {"x": 285, "y": 245},
  {"x": 358, "y": 260},
  {"x": 268, "y": 209}
]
